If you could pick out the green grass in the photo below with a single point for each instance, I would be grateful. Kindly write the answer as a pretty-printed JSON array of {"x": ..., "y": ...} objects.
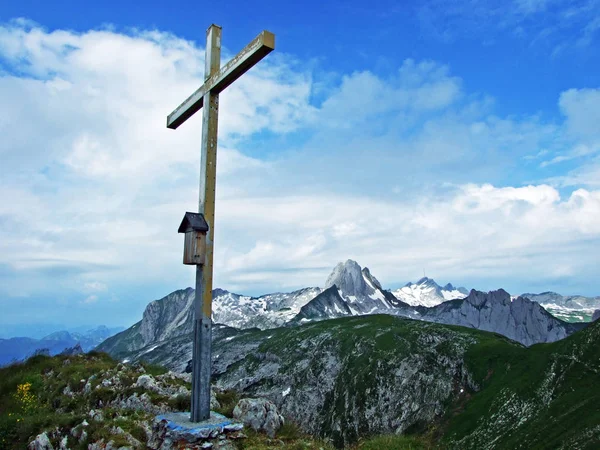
[
  {"x": 545, "y": 396},
  {"x": 554, "y": 385},
  {"x": 46, "y": 407},
  {"x": 227, "y": 399},
  {"x": 394, "y": 442},
  {"x": 501, "y": 369}
]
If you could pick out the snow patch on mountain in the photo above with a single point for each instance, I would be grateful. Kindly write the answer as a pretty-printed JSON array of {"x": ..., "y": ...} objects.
[{"x": 426, "y": 292}]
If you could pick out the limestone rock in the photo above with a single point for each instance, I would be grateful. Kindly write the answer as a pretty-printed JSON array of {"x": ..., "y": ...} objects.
[
  {"x": 41, "y": 442},
  {"x": 260, "y": 414},
  {"x": 79, "y": 432},
  {"x": 64, "y": 443},
  {"x": 96, "y": 415},
  {"x": 73, "y": 351},
  {"x": 148, "y": 382},
  {"x": 348, "y": 278}
]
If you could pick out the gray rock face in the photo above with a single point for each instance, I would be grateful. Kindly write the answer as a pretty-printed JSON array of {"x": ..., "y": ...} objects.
[
  {"x": 348, "y": 278},
  {"x": 260, "y": 414},
  {"x": 169, "y": 317},
  {"x": 41, "y": 442},
  {"x": 596, "y": 315},
  {"x": 521, "y": 320}
]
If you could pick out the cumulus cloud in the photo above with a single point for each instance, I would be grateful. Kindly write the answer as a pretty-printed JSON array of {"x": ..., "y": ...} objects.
[{"x": 400, "y": 172}]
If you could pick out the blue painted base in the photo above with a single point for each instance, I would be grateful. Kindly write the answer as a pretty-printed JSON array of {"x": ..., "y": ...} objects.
[{"x": 179, "y": 426}]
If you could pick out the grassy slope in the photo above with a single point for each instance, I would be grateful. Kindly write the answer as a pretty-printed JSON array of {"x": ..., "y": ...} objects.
[
  {"x": 545, "y": 396},
  {"x": 49, "y": 409},
  {"x": 369, "y": 348},
  {"x": 46, "y": 406}
]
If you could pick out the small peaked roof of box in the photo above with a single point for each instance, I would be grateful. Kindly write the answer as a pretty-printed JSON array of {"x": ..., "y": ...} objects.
[{"x": 193, "y": 221}]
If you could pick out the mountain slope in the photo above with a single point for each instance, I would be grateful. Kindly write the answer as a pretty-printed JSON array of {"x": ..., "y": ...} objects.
[
  {"x": 544, "y": 397},
  {"x": 328, "y": 304},
  {"x": 357, "y": 376}
]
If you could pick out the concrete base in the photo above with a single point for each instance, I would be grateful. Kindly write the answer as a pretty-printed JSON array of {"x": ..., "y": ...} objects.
[{"x": 178, "y": 426}]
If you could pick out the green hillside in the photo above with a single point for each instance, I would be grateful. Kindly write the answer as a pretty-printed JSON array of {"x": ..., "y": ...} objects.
[
  {"x": 465, "y": 388},
  {"x": 353, "y": 382},
  {"x": 542, "y": 397}
]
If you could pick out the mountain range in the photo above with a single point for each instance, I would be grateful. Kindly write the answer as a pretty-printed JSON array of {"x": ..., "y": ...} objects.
[
  {"x": 355, "y": 360},
  {"x": 357, "y": 376},
  {"x": 349, "y": 291},
  {"x": 19, "y": 348}
]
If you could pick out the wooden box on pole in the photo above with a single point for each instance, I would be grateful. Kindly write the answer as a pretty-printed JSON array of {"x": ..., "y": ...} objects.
[{"x": 194, "y": 248}]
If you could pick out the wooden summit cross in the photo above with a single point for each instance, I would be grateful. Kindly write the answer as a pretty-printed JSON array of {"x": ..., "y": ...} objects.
[{"x": 215, "y": 81}]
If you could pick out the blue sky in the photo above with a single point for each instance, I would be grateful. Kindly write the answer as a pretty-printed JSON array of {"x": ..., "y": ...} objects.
[{"x": 457, "y": 137}]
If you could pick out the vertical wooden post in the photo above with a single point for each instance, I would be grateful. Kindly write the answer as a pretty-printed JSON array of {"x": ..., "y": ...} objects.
[{"x": 201, "y": 365}]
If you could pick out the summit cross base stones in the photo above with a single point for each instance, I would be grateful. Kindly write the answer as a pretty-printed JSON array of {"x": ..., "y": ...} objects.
[{"x": 216, "y": 79}]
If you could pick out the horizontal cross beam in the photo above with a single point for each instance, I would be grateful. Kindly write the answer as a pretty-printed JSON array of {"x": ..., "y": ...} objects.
[{"x": 256, "y": 50}]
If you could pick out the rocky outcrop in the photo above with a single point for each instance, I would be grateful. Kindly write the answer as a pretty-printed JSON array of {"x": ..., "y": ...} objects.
[
  {"x": 596, "y": 315},
  {"x": 521, "y": 320},
  {"x": 41, "y": 442},
  {"x": 259, "y": 414},
  {"x": 72, "y": 351}
]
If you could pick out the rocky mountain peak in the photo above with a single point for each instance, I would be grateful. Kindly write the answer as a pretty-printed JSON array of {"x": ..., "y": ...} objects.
[
  {"x": 348, "y": 278},
  {"x": 479, "y": 298},
  {"x": 427, "y": 281},
  {"x": 374, "y": 281}
]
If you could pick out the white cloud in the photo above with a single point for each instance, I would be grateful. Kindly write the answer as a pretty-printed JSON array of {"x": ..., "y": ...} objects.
[
  {"x": 582, "y": 110},
  {"x": 95, "y": 286},
  {"x": 90, "y": 299},
  {"x": 476, "y": 230},
  {"x": 399, "y": 173}
]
